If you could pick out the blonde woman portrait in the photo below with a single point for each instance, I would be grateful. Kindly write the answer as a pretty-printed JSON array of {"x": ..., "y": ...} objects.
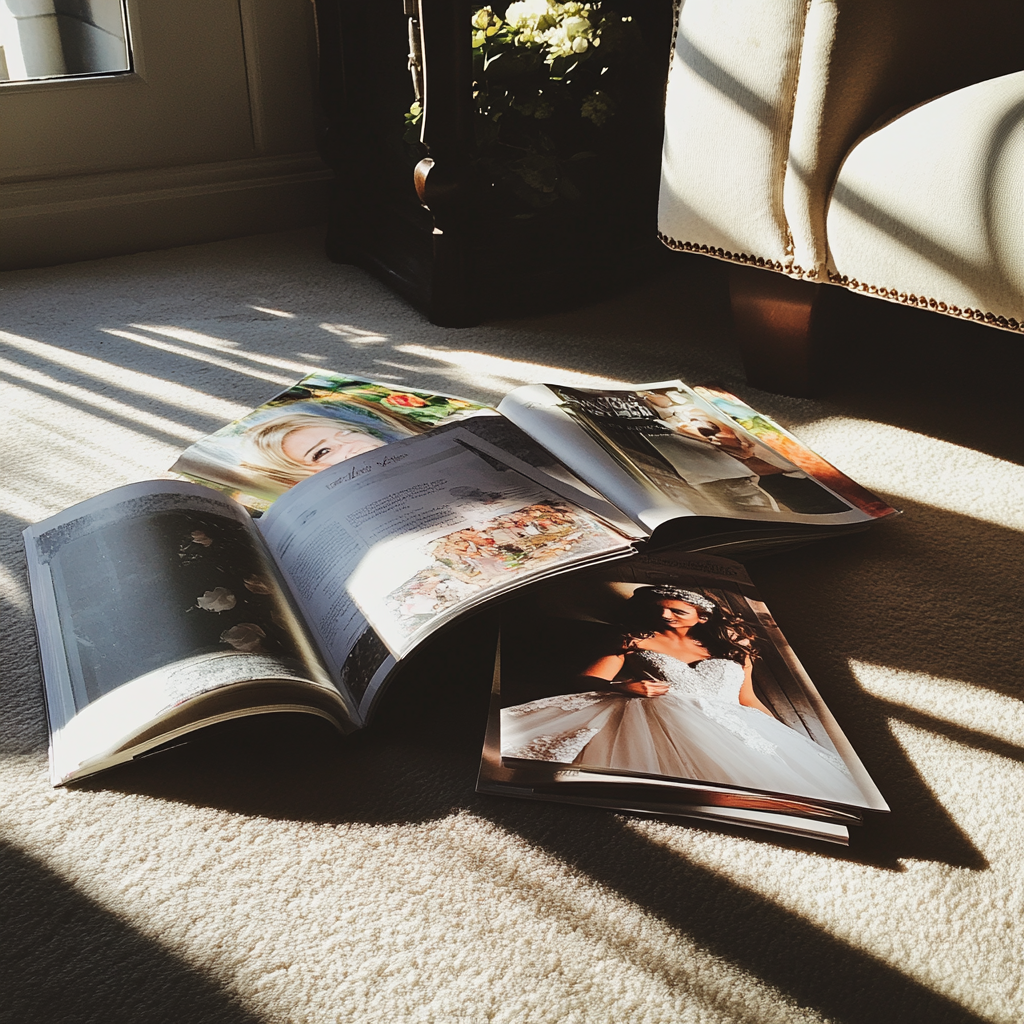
[
  {"x": 320, "y": 421},
  {"x": 294, "y": 445}
]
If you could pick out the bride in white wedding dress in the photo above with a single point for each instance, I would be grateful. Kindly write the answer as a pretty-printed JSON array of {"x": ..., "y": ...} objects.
[{"x": 677, "y": 699}]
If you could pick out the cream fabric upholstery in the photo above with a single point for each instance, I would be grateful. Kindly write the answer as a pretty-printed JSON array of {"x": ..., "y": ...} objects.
[
  {"x": 732, "y": 77},
  {"x": 866, "y": 61},
  {"x": 766, "y": 98},
  {"x": 932, "y": 205}
]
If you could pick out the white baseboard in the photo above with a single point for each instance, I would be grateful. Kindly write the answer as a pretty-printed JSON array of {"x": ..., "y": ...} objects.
[{"x": 62, "y": 220}]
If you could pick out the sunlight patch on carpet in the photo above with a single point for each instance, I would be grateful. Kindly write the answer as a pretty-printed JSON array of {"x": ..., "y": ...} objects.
[
  {"x": 171, "y": 393},
  {"x": 496, "y": 373},
  {"x": 970, "y": 706},
  {"x": 273, "y": 312},
  {"x": 234, "y": 348},
  {"x": 60, "y": 392},
  {"x": 199, "y": 357},
  {"x": 354, "y": 335},
  {"x": 904, "y": 464}
]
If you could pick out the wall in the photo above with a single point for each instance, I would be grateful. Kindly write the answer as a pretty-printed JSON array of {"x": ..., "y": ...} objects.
[{"x": 210, "y": 135}]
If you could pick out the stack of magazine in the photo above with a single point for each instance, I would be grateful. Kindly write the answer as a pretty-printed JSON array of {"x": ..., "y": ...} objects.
[{"x": 299, "y": 554}]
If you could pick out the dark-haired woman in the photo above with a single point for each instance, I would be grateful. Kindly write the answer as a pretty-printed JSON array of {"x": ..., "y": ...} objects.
[{"x": 674, "y": 696}]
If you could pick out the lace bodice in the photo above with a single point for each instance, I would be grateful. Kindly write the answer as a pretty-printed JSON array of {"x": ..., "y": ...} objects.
[{"x": 712, "y": 679}]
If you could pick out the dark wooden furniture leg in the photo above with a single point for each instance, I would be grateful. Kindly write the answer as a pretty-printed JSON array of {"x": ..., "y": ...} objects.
[
  {"x": 410, "y": 228},
  {"x": 442, "y": 177},
  {"x": 776, "y": 320}
]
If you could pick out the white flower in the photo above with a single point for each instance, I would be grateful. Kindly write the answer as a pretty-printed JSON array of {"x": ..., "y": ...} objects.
[
  {"x": 256, "y": 584},
  {"x": 218, "y": 600},
  {"x": 246, "y": 636},
  {"x": 562, "y": 29},
  {"x": 526, "y": 13},
  {"x": 577, "y": 28}
]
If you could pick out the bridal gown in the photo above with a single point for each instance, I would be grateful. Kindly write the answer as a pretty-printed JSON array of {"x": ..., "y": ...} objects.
[{"x": 698, "y": 730}]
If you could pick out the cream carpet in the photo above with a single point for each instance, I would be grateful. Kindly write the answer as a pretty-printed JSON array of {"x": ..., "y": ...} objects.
[{"x": 271, "y": 872}]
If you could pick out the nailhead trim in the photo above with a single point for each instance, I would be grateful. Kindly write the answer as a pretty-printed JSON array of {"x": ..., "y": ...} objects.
[
  {"x": 924, "y": 302},
  {"x": 920, "y": 301},
  {"x": 791, "y": 270}
]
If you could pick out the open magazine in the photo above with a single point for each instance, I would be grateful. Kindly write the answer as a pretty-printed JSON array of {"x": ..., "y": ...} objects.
[
  {"x": 381, "y": 515},
  {"x": 663, "y": 686},
  {"x": 692, "y": 467}
]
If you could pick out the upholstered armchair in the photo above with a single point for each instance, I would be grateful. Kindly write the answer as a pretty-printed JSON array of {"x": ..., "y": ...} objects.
[{"x": 874, "y": 145}]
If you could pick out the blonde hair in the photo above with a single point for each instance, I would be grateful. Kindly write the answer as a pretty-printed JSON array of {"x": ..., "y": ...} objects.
[{"x": 268, "y": 439}]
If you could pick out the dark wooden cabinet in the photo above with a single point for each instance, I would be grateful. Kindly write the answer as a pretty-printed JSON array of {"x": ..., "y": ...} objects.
[{"x": 417, "y": 216}]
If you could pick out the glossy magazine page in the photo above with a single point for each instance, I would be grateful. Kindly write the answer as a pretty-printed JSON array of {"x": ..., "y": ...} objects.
[
  {"x": 662, "y": 452},
  {"x": 151, "y": 600},
  {"x": 770, "y": 433},
  {"x": 670, "y": 668},
  {"x": 324, "y": 419},
  {"x": 406, "y": 538}
]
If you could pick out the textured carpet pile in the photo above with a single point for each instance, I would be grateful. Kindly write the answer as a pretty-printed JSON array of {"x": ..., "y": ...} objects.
[{"x": 270, "y": 872}]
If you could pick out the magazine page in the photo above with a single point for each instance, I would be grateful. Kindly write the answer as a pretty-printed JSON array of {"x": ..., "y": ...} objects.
[
  {"x": 701, "y": 802},
  {"x": 660, "y": 452},
  {"x": 149, "y": 597},
  {"x": 405, "y": 539},
  {"x": 766, "y": 430},
  {"x": 504, "y": 434},
  {"x": 670, "y": 668},
  {"x": 538, "y": 411},
  {"x": 322, "y": 420}
]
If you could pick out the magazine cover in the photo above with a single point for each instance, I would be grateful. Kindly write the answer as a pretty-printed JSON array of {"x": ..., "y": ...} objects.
[
  {"x": 324, "y": 419},
  {"x": 670, "y": 668}
]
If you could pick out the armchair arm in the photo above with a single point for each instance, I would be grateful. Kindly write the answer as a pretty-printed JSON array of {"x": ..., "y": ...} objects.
[
  {"x": 766, "y": 98},
  {"x": 929, "y": 210},
  {"x": 865, "y": 62},
  {"x": 728, "y": 110}
]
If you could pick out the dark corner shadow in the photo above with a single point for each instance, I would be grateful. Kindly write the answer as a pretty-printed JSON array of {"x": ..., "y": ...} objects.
[
  {"x": 924, "y": 371},
  {"x": 65, "y": 958},
  {"x": 677, "y": 318},
  {"x": 749, "y": 931},
  {"x": 418, "y": 762}
]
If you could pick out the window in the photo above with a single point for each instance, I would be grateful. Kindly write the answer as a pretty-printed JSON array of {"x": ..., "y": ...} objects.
[
  {"x": 196, "y": 123},
  {"x": 60, "y": 38}
]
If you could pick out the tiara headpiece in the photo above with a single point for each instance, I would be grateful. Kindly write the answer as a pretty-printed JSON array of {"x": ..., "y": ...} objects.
[{"x": 701, "y": 601}]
